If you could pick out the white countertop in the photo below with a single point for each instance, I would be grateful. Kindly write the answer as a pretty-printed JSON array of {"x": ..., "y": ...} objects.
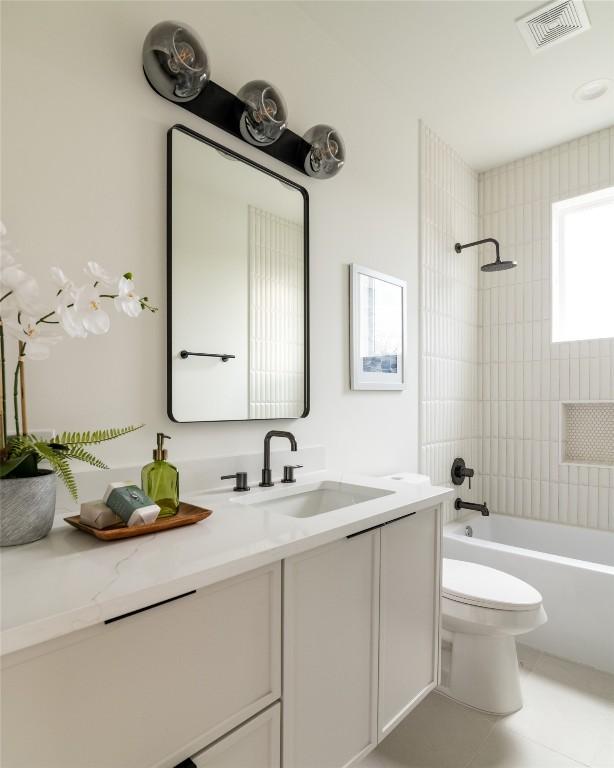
[{"x": 69, "y": 580}]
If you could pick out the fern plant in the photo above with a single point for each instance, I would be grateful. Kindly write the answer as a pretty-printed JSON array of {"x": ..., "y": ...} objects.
[{"x": 25, "y": 452}]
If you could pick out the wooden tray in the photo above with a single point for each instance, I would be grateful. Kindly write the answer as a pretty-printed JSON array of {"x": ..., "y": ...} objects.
[{"x": 188, "y": 515}]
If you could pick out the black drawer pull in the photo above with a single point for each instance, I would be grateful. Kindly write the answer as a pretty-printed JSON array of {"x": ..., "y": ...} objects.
[
  {"x": 381, "y": 525},
  {"x": 396, "y": 519},
  {"x": 366, "y": 530},
  {"x": 148, "y": 607}
]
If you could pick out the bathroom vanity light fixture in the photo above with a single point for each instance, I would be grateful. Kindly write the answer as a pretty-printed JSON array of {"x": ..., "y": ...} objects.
[
  {"x": 264, "y": 117},
  {"x": 495, "y": 266},
  {"x": 326, "y": 155},
  {"x": 176, "y": 66},
  {"x": 175, "y": 61}
]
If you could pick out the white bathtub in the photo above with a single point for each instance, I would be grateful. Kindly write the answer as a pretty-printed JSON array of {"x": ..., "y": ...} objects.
[{"x": 572, "y": 567}]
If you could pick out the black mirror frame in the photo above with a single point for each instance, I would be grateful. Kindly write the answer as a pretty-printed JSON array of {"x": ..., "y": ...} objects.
[{"x": 169, "y": 269}]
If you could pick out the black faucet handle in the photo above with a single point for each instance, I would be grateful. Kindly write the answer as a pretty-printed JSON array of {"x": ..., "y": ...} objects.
[
  {"x": 241, "y": 478},
  {"x": 289, "y": 473},
  {"x": 460, "y": 471}
]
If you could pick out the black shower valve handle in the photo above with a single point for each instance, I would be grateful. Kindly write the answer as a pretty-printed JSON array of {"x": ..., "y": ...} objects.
[{"x": 460, "y": 471}]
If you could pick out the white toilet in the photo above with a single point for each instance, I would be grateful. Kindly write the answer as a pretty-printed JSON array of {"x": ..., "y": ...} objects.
[{"x": 482, "y": 611}]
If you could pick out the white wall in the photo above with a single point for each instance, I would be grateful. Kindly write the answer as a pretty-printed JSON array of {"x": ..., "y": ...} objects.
[
  {"x": 449, "y": 387},
  {"x": 83, "y": 177},
  {"x": 524, "y": 374}
]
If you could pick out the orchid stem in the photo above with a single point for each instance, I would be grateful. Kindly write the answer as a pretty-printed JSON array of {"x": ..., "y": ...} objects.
[
  {"x": 15, "y": 401},
  {"x": 22, "y": 388},
  {"x": 43, "y": 319},
  {"x": 19, "y": 379},
  {"x": 6, "y": 295},
  {"x": 3, "y": 435}
]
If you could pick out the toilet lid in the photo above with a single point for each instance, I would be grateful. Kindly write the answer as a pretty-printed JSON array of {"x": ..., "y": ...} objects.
[{"x": 486, "y": 587}]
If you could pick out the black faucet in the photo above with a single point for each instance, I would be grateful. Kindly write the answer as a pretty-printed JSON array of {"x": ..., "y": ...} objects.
[
  {"x": 460, "y": 504},
  {"x": 266, "y": 471}
]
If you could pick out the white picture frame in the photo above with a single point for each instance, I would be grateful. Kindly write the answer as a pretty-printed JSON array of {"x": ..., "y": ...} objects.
[{"x": 380, "y": 364}]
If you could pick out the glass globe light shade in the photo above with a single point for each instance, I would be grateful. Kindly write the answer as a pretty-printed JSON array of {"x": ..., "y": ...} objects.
[
  {"x": 327, "y": 153},
  {"x": 175, "y": 61},
  {"x": 264, "y": 117}
]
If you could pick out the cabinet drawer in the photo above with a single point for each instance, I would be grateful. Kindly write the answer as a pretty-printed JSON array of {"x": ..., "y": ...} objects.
[
  {"x": 152, "y": 688},
  {"x": 254, "y": 745}
]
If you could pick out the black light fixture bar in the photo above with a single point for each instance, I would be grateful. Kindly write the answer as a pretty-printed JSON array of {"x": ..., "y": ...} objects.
[{"x": 223, "y": 109}]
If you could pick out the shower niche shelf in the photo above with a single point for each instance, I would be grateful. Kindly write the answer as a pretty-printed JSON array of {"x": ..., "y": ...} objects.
[{"x": 587, "y": 433}]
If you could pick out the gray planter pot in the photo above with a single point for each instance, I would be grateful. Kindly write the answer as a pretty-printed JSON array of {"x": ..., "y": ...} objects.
[{"x": 27, "y": 507}]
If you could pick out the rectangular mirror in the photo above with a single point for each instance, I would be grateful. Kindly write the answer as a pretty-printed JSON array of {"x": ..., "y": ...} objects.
[{"x": 237, "y": 271}]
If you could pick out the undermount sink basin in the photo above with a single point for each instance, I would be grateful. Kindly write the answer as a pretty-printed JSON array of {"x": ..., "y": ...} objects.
[{"x": 317, "y": 499}]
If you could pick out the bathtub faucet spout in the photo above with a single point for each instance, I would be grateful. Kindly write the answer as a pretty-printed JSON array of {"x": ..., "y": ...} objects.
[{"x": 460, "y": 504}]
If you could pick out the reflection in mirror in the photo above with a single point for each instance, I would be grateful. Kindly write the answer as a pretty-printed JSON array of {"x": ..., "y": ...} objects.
[
  {"x": 237, "y": 272},
  {"x": 378, "y": 330}
]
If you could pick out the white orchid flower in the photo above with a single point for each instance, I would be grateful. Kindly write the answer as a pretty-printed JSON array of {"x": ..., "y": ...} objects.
[
  {"x": 71, "y": 322},
  {"x": 23, "y": 288},
  {"x": 89, "y": 311},
  {"x": 36, "y": 338},
  {"x": 59, "y": 278},
  {"x": 99, "y": 274},
  {"x": 127, "y": 301}
]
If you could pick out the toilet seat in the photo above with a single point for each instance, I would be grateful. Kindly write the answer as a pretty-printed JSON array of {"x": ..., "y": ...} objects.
[{"x": 486, "y": 587}]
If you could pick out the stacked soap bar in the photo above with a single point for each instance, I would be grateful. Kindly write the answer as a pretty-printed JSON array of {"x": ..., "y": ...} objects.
[{"x": 122, "y": 502}]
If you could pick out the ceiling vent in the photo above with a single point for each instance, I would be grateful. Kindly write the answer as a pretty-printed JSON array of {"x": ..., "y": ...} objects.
[{"x": 553, "y": 23}]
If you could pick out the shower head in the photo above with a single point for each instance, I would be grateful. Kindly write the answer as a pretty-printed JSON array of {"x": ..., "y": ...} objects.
[
  {"x": 495, "y": 266},
  {"x": 498, "y": 265}
]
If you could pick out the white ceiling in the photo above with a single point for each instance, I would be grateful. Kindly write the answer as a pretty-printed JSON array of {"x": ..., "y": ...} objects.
[{"x": 463, "y": 67}]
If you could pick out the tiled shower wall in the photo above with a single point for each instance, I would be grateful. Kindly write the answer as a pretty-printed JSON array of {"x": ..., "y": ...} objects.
[
  {"x": 449, "y": 382},
  {"x": 524, "y": 376}
]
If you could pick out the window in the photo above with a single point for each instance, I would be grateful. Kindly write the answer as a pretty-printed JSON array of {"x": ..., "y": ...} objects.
[{"x": 583, "y": 267}]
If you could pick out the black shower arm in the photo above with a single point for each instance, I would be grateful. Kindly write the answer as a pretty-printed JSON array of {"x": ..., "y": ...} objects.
[{"x": 458, "y": 247}]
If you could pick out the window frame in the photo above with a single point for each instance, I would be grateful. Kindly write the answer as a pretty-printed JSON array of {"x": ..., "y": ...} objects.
[{"x": 558, "y": 212}]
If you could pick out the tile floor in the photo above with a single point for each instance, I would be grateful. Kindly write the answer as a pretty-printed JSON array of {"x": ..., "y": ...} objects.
[{"x": 567, "y": 721}]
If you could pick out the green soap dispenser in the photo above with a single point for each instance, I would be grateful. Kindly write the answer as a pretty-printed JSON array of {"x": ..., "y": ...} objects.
[{"x": 160, "y": 480}]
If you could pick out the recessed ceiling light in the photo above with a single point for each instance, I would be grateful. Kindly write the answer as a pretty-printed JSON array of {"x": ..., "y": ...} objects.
[{"x": 592, "y": 90}]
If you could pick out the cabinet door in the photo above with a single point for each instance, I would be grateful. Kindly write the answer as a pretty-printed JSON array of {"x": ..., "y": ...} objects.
[
  {"x": 254, "y": 745},
  {"x": 331, "y": 598},
  {"x": 151, "y": 688},
  {"x": 409, "y": 614}
]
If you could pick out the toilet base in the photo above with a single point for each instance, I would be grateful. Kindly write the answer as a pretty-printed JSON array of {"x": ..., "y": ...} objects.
[{"x": 481, "y": 671}]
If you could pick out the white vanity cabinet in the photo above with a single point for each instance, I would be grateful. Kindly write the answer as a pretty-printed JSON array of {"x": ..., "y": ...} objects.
[
  {"x": 331, "y": 606},
  {"x": 256, "y": 744},
  {"x": 409, "y": 615},
  {"x": 199, "y": 678},
  {"x": 361, "y": 639},
  {"x": 150, "y": 689}
]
